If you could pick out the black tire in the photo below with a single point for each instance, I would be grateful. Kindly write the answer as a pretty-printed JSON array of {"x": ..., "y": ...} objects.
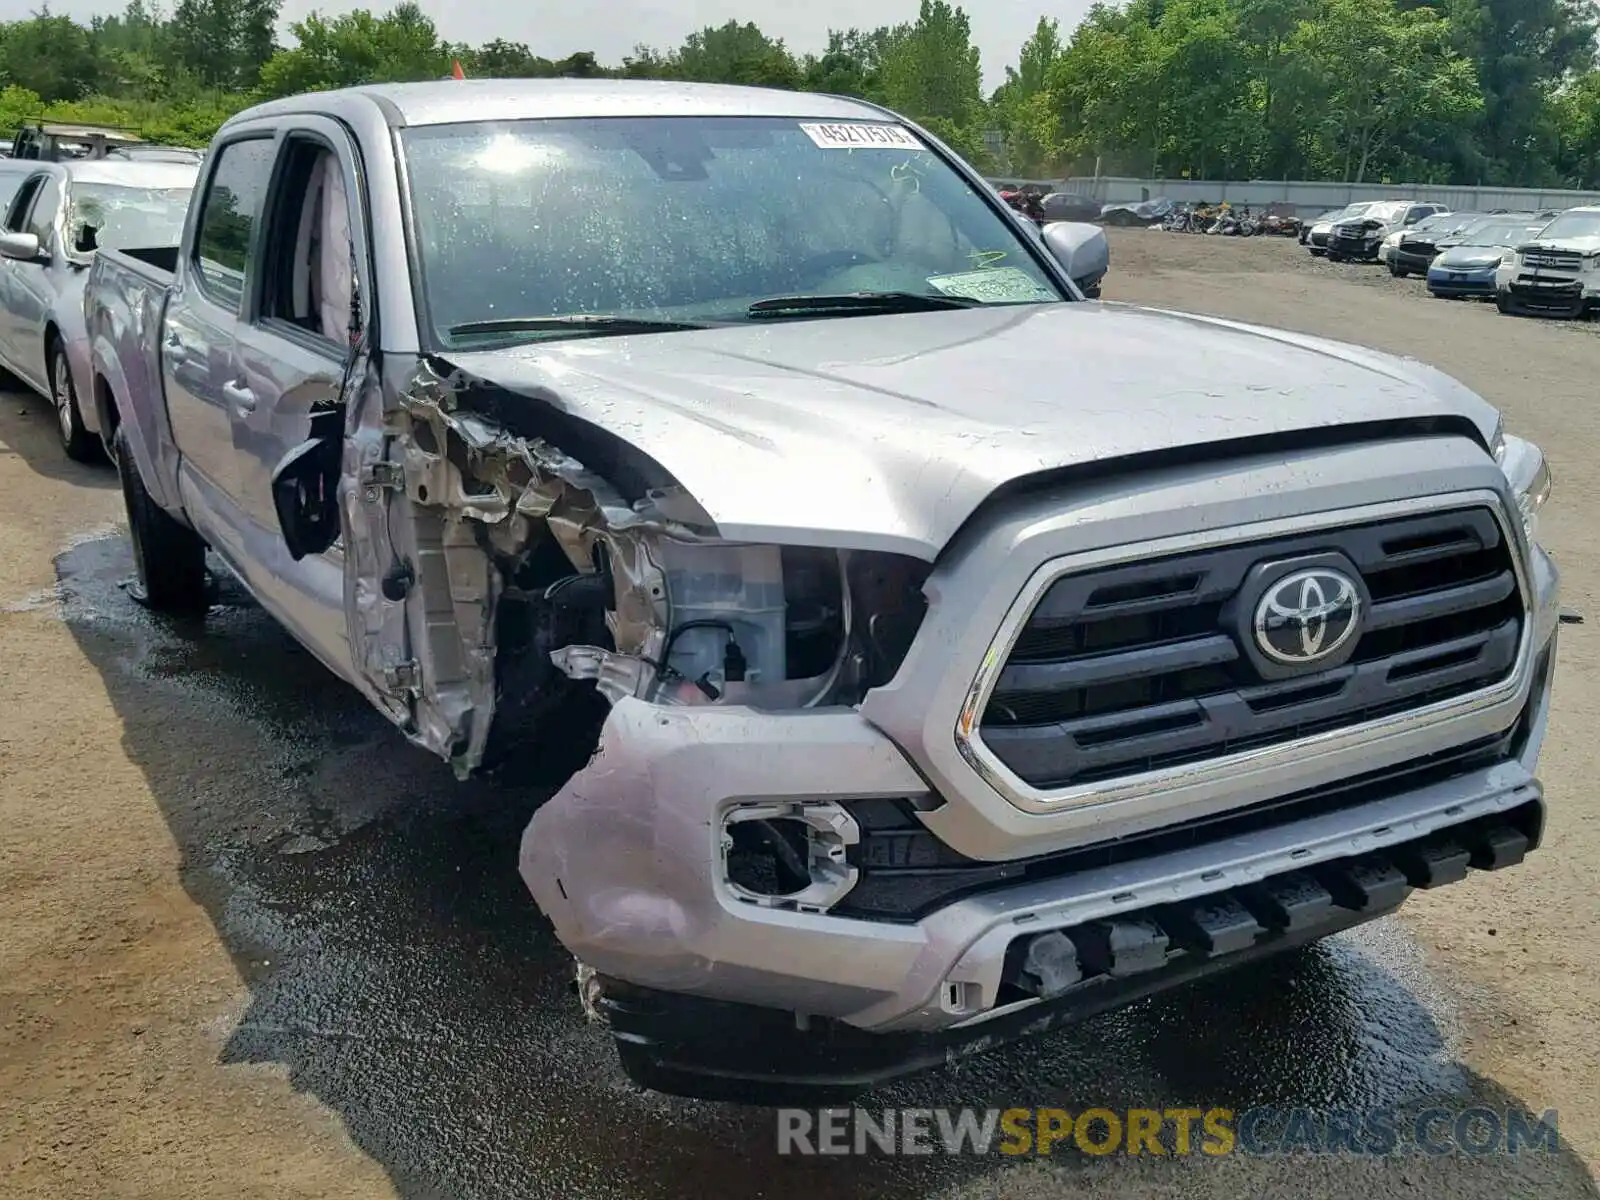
[
  {"x": 80, "y": 445},
  {"x": 1397, "y": 270},
  {"x": 1503, "y": 303},
  {"x": 169, "y": 559}
]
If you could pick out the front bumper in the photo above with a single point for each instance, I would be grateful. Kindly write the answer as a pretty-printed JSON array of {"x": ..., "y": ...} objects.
[
  {"x": 1445, "y": 282},
  {"x": 713, "y": 1049},
  {"x": 1565, "y": 297},
  {"x": 627, "y": 862},
  {"x": 1355, "y": 248},
  {"x": 630, "y": 859},
  {"x": 1408, "y": 260}
]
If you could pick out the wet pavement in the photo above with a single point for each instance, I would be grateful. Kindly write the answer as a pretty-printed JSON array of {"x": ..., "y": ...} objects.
[{"x": 401, "y": 975}]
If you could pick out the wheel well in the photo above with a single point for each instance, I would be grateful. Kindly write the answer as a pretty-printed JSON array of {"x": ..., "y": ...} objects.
[
  {"x": 105, "y": 406},
  {"x": 52, "y": 335}
]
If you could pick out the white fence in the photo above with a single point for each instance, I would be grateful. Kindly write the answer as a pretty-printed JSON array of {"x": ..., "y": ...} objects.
[{"x": 1310, "y": 198}]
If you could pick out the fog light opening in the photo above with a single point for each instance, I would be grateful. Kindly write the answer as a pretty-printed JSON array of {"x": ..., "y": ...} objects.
[{"x": 791, "y": 855}]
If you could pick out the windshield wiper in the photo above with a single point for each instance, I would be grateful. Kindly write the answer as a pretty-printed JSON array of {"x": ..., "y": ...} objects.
[
  {"x": 858, "y": 302},
  {"x": 573, "y": 322}
]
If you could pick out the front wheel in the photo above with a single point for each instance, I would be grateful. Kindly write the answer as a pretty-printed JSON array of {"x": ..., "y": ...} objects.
[
  {"x": 80, "y": 445},
  {"x": 169, "y": 559},
  {"x": 1397, "y": 270},
  {"x": 1503, "y": 303}
]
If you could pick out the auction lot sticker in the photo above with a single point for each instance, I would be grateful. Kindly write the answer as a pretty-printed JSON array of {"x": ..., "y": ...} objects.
[
  {"x": 997, "y": 285},
  {"x": 855, "y": 135}
]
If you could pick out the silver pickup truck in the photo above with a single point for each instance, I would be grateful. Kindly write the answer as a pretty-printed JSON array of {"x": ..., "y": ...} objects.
[{"x": 923, "y": 655}]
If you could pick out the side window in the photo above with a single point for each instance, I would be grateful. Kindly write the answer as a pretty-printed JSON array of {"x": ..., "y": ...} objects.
[
  {"x": 228, "y": 220},
  {"x": 21, "y": 202},
  {"x": 46, "y": 207},
  {"x": 310, "y": 278}
]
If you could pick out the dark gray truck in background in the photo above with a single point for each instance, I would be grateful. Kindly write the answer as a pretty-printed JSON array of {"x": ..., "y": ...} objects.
[{"x": 921, "y": 655}]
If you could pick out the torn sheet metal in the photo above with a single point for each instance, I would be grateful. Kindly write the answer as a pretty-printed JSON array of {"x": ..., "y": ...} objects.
[{"x": 518, "y": 489}]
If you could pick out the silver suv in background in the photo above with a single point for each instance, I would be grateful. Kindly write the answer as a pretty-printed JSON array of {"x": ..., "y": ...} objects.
[
  {"x": 921, "y": 657},
  {"x": 59, "y": 215},
  {"x": 1556, "y": 273}
]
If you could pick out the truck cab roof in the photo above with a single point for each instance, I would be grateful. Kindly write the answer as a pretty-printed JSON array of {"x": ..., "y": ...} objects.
[{"x": 445, "y": 102}]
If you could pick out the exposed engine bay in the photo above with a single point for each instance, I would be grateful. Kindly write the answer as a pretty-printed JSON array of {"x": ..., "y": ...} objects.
[{"x": 608, "y": 580}]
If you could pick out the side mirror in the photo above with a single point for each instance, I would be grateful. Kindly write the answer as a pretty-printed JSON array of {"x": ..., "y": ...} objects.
[
  {"x": 1082, "y": 250},
  {"x": 305, "y": 489},
  {"x": 24, "y": 247}
]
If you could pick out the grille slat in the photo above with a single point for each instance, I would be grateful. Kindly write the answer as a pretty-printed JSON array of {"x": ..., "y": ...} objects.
[
  {"x": 1125, "y": 665},
  {"x": 1135, "y": 667}
]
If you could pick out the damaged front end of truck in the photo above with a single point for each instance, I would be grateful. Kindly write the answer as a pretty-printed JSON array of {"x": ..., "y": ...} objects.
[{"x": 514, "y": 573}]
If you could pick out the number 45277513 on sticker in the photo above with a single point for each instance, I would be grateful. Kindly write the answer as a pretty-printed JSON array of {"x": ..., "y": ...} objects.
[{"x": 860, "y": 135}]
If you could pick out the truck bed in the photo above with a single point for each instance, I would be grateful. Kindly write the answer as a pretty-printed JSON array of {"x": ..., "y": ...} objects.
[
  {"x": 124, "y": 302},
  {"x": 156, "y": 263}
]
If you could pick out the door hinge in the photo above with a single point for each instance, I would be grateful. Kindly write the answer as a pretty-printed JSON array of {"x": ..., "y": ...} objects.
[
  {"x": 378, "y": 477},
  {"x": 383, "y": 475},
  {"x": 402, "y": 677}
]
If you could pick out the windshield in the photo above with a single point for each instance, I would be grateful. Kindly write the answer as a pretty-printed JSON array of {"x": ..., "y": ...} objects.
[
  {"x": 1386, "y": 212},
  {"x": 1502, "y": 235},
  {"x": 691, "y": 220},
  {"x": 1574, "y": 225},
  {"x": 125, "y": 217}
]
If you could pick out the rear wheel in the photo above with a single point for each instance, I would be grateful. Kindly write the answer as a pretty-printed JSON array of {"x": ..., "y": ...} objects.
[
  {"x": 169, "y": 559},
  {"x": 80, "y": 445}
]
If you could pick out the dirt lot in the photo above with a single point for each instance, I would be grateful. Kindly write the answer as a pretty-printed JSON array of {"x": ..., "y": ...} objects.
[{"x": 253, "y": 945}]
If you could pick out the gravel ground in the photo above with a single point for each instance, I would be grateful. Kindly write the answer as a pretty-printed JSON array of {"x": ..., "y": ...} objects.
[{"x": 253, "y": 945}]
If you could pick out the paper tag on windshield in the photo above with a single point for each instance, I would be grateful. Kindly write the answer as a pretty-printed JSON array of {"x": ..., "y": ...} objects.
[
  {"x": 997, "y": 285},
  {"x": 857, "y": 136}
]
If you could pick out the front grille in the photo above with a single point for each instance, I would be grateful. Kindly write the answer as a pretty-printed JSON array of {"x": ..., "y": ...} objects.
[
  {"x": 1140, "y": 666},
  {"x": 1422, "y": 249},
  {"x": 1552, "y": 260}
]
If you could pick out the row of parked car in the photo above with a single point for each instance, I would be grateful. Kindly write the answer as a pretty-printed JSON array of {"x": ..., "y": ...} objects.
[{"x": 1545, "y": 263}]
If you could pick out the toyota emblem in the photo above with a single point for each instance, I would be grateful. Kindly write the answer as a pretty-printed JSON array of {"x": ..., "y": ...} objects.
[{"x": 1307, "y": 617}]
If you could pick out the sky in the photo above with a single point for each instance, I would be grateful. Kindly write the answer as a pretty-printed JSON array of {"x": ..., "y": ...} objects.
[{"x": 613, "y": 28}]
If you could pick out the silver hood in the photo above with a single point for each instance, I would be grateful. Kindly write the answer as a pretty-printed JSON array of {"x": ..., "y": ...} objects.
[{"x": 887, "y": 432}]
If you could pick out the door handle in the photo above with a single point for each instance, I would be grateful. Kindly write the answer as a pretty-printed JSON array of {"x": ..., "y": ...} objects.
[
  {"x": 239, "y": 396},
  {"x": 175, "y": 350}
]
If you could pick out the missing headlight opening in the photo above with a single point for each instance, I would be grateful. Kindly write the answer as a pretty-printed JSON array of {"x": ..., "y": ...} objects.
[{"x": 608, "y": 580}]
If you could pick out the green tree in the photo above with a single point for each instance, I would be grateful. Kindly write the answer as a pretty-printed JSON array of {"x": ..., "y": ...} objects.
[
  {"x": 1023, "y": 107},
  {"x": 1381, "y": 72},
  {"x": 1282, "y": 92},
  {"x": 355, "y": 48},
  {"x": 1106, "y": 88},
  {"x": 931, "y": 69},
  {"x": 222, "y": 43},
  {"x": 852, "y": 65},
  {"x": 53, "y": 57},
  {"x": 734, "y": 53},
  {"x": 1524, "y": 51},
  {"x": 1577, "y": 117}
]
